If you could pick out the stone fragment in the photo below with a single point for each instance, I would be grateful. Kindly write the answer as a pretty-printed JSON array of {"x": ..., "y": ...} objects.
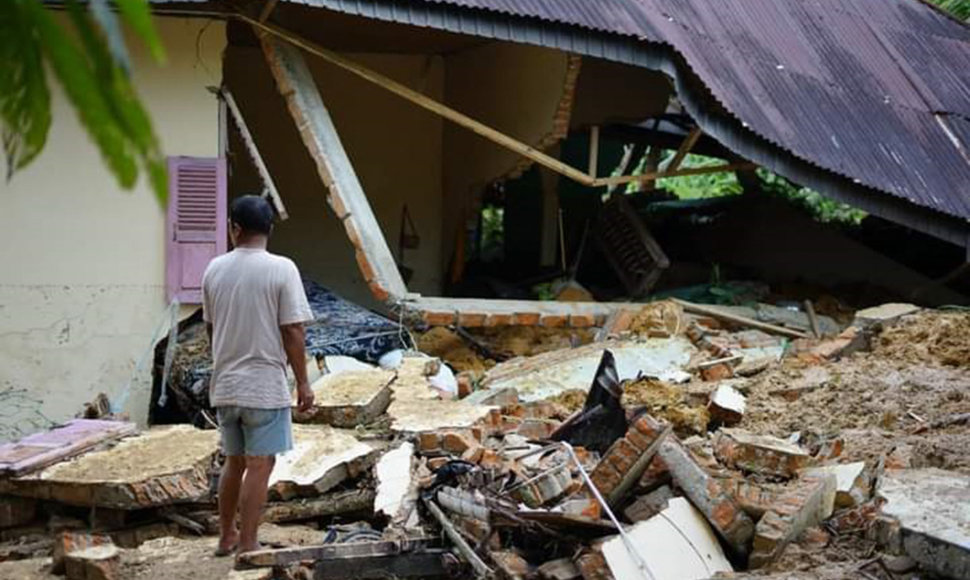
[
  {"x": 884, "y": 314},
  {"x": 810, "y": 502},
  {"x": 512, "y": 565},
  {"x": 678, "y": 543},
  {"x": 932, "y": 509},
  {"x": 762, "y": 454},
  {"x": 852, "y": 482},
  {"x": 708, "y": 495},
  {"x": 649, "y": 505},
  {"x": 561, "y": 569},
  {"x": 726, "y": 405}
]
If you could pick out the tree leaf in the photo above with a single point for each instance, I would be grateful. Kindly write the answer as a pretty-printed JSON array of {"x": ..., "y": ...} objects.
[
  {"x": 138, "y": 15},
  {"x": 24, "y": 96},
  {"x": 110, "y": 25}
]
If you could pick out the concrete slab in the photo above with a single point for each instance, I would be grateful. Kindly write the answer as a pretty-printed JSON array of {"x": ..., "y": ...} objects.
[
  {"x": 396, "y": 485},
  {"x": 727, "y": 404},
  {"x": 416, "y": 415},
  {"x": 321, "y": 458},
  {"x": 884, "y": 314},
  {"x": 677, "y": 543},
  {"x": 548, "y": 374},
  {"x": 933, "y": 510},
  {"x": 160, "y": 466},
  {"x": 350, "y": 398}
]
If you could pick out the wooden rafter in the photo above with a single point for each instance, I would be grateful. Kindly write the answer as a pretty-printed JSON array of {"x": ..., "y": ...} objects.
[
  {"x": 620, "y": 180},
  {"x": 686, "y": 145},
  {"x": 594, "y": 150},
  {"x": 247, "y": 137}
]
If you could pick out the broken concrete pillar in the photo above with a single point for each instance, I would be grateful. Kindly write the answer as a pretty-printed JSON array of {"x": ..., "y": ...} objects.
[
  {"x": 808, "y": 503},
  {"x": 852, "y": 486},
  {"x": 726, "y": 405},
  {"x": 762, "y": 454},
  {"x": 708, "y": 495},
  {"x": 932, "y": 508},
  {"x": 676, "y": 544}
]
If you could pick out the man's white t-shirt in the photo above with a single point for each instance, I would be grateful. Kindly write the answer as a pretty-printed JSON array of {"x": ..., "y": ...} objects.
[{"x": 247, "y": 295}]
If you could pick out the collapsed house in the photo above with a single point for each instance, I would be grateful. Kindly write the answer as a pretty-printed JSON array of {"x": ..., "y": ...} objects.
[{"x": 434, "y": 162}]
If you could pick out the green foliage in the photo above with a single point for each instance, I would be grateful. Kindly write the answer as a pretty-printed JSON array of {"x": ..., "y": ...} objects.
[
  {"x": 700, "y": 186},
  {"x": 822, "y": 208},
  {"x": 89, "y": 60},
  {"x": 958, "y": 8}
]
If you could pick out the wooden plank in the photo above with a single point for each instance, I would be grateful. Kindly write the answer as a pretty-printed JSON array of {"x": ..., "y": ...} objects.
[
  {"x": 594, "y": 149},
  {"x": 332, "y": 504},
  {"x": 40, "y": 450},
  {"x": 623, "y": 179},
  {"x": 347, "y": 196},
  {"x": 688, "y": 143},
  {"x": 714, "y": 312},
  {"x": 250, "y": 143},
  {"x": 424, "y": 101},
  {"x": 287, "y": 556}
]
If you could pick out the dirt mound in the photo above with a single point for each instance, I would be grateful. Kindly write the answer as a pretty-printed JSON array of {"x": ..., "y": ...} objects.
[
  {"x": 453, "y": 349},
  {"x": 943, "y": 337}
]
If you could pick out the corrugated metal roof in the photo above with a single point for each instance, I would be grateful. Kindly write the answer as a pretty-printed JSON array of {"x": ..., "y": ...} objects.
[{"x": 848, "y": 86}]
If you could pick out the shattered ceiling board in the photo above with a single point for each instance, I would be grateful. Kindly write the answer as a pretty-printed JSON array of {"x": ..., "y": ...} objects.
[
  {"x": 350, "y": 398},
  {"x": 161, "y": 466},
  {"x": 549, "y": 374},
  {"x": 42, "y": 449},
  {"x": 321, "y": 458}
]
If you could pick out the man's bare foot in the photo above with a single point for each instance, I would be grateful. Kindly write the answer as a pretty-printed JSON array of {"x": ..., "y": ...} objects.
[
  {"x": 227, "y": 545},
  {"x": 253, "y": 548}
]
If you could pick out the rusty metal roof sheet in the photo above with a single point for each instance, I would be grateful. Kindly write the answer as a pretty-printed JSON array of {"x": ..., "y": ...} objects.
[{"x": 855, "y": 97}]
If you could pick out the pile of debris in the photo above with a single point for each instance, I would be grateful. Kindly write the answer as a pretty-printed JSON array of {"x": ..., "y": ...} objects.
[{"x": 683, "y": 442}]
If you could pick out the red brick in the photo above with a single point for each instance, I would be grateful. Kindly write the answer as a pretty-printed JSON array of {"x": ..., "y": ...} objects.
[
  {"x": 655, "y": 475},
  {"x": 438, "y": 318},
  {"x": 473, "y": 454},
  {"x": 498, "y": 320},
  {"x": 554, "y": 320},
  {"x": 724, "y": 513},
  {"x": 592, "y": 566},
  {"x": 605, "y": 477},
  {"x": 526, "y": 318},
  {"x": 436, "y": 463},
  {"x": 490, "y": 460},
  {"x": 718, "y": 372},
  {"x": 537, "y": 428},
  {"x": 648, "y": 426},
  {"x": 471, "y": 319},
  {"x": 456, "y": 443},
  {"x": 623, "y": 455},
  {"x": 429, "y": 442},
  {"x": 582, "y": 320}
]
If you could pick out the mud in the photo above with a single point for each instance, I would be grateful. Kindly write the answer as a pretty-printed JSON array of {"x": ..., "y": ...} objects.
[
  {"x": 504, "y": 342},
  {"x": 668, "y": 402},
  {"x": 659, "y": 319},
  {"x": 941, "y": 337}
]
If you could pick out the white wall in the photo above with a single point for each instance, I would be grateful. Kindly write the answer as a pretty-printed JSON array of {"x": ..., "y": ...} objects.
[{"x": 82, "y": 261}]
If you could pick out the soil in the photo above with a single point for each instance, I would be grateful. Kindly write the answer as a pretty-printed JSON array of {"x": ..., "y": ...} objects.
[
  {"x": 664, "y": 318},
  {"x": 668, "y": 402},
  {"x": 350, "y": 388},
  {"x": 154, "y": 453}
]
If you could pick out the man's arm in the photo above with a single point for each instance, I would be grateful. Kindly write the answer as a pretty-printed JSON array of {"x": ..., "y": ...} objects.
[{"x": 294, "y": 343}]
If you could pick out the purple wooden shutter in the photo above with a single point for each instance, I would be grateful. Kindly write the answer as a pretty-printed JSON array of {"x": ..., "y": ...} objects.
[{"x": 196, "y": 225}]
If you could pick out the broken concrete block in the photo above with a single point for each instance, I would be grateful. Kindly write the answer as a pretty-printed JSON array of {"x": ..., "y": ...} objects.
[
  {"x": 932, "y": 508},
  {"x": 726, "y": 405},
  {"x": 322, "y": 457},
  {"x": 396, "y": 486},
  {"x": 649, "y": 505},
  {"x": 561, "y": 569},
  {"x": 708, "y": 495},
  {"x": 16, "y": 511},
  {"x": 349, "y": 398},
  {"x": 753, "y": 498},
  {"x": 678, "y": 543},
  {"x": 810, "y": 502},
  {"x": 885, "y": 314},
  {"x": 158, "y": 467},
  {"x": 852, "y": 482},
  {"x": 762, "y": 454}
]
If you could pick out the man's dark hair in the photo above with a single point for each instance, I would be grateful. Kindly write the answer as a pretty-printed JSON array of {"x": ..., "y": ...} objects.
[{"x": 252, "y": 213}]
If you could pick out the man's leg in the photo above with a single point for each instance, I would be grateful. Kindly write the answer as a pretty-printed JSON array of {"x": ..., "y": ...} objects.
[
  {"x": 254, "y": 487},
  {"x": 230, "y": 483}
]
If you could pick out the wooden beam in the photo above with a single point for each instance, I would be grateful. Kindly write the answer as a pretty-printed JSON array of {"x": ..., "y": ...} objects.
[
  {"x": 423, "y": 101},
  {"x": 287, "y": 556},
  {"x": 742, "y": 320},
  {"x": 267, "y": 10},
  {"x": 684, "y": 149},
  {"x": 347, "y": 197},
  {"x": 620, "y": 180},
  {"x": 247, "y": 137},
  {"x": 594, "y": 149}
]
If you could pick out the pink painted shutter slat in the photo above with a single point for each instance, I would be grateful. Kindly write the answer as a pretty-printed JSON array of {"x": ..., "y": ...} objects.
[{"x": 196, "y": 224}]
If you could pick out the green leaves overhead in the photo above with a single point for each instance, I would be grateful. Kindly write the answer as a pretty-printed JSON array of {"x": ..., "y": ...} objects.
[{"x": 90, "y": 61}]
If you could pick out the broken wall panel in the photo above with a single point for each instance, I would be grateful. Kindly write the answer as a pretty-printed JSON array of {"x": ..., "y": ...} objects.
[{"x": 347, "y": 198}]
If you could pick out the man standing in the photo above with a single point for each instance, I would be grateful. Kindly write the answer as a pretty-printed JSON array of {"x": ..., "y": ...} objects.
[{"x": 254, "y": 307}]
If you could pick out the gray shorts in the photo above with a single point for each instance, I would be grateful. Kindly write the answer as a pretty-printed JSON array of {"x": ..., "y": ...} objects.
[{"x": 248, "y": 431}]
